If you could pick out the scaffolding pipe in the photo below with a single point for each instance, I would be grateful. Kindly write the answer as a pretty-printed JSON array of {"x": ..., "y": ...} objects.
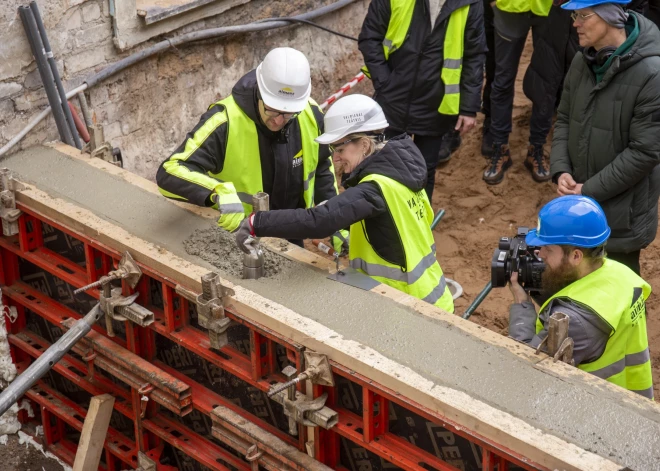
[
  {"x": 30, "y": 25},
  {"x": 47, "y": 360},
  {"x": 47, "y": 51}
]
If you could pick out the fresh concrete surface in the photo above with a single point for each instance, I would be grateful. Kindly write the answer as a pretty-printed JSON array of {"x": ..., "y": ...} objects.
[{"x": 593, "y": 419}]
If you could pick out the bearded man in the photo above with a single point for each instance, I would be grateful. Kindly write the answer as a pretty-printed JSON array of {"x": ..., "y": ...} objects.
[{"x": 604, "y": 300}]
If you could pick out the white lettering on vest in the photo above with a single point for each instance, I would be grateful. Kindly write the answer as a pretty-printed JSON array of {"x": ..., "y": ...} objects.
[{"x": 297, "y": 162}]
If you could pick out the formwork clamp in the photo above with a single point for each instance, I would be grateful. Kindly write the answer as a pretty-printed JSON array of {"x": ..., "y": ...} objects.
[
  {"x": 211, "y": 308},
  {"x": 9, "y": 214},
  {"x": 299, "y": 408}
]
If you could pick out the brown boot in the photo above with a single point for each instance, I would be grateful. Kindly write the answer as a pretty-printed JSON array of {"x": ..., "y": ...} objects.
[
  {"x": 500, "y": 162},
  {"x": 537, "y": 163}
]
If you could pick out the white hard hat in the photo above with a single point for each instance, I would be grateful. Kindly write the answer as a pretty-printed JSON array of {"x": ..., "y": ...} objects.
[
  {"x": 349, "y": 115},
  {"x": 284, "y": 81}
]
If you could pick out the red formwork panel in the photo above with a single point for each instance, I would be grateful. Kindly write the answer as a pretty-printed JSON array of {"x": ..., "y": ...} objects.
[{"x": 378, "y": 429}]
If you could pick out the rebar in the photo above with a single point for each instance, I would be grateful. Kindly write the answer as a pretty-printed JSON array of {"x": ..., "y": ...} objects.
[
  {"x": 96, "y": 284},
  {"x": 284, "y": 386}
]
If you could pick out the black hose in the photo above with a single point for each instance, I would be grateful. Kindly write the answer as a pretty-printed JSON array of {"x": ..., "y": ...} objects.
[
  {"x": 311, "y": 23},
  {"x": 46, "y": 74},
  {"x": 209, "y": 34},
  {"x": 56, "y": 75}
]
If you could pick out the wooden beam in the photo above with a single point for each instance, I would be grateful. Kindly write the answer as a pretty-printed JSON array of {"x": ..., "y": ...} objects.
[{"x": 93, "y": 433}]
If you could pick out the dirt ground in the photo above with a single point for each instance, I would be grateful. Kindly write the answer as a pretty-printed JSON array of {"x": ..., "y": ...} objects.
[
  {"x": 477, "y": 215},
  {"x": 17, "y": 457}
]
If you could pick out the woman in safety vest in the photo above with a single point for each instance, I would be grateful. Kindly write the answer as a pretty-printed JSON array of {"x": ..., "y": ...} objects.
[{"x": 384, "y": 205}]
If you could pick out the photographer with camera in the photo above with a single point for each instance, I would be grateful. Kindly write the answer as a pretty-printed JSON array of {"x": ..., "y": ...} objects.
[{"x": 604, "y": 299}]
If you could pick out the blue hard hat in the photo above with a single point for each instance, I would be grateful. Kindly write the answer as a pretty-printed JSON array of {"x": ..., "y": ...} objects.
[
  {"x": 580, "y": 4},
  {"x": 570, "y": 220}
]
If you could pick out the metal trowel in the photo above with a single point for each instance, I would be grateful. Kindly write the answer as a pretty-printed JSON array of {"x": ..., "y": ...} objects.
[{"x": 348, "y": 276}]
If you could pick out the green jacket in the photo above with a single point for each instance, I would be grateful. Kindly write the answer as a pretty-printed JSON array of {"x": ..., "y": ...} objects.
[{"x": 607, "y": 136}]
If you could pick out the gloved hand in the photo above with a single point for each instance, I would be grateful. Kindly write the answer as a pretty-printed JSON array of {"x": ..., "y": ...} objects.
[
  {"x": 227, "y": 202},
  {"x": 245, "y": 238},
  {"x": 339, "y": 241}
]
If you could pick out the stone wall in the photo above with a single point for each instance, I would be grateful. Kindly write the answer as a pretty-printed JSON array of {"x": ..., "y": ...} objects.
[{"x": 147, "y": 109}]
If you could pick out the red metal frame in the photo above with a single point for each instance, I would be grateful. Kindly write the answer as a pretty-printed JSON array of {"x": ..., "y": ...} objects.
[{"x": 256, "y": 366}]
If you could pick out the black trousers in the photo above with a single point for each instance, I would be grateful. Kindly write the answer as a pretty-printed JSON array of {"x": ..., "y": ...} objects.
[
  {"x": 429, "y": 146},
  {"x": 631, "y": 259},
  {"x": 489, "y": 28}
]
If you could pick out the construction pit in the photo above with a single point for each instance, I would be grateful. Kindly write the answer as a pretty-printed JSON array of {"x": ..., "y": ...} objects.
[{"x": 415, "y": 388}]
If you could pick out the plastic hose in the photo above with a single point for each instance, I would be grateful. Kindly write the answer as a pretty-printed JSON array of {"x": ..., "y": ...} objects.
[{"x": 174, "y": 42}]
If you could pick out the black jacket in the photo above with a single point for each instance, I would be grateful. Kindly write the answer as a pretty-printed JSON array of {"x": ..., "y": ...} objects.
[
  {"x": 281, "y": 180},
  {"x": 399, "y": 159},
  {"x": 408, "y": 85}
]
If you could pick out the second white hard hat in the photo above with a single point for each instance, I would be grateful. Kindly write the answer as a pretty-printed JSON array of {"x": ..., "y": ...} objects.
[
  {"x": 284, "y": 80},
  {"x": 349, "y": 115}
]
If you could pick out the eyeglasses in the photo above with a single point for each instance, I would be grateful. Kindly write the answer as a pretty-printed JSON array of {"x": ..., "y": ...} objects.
[
  {"x": 336, "y": 147},
  {"x": 274, "y": 113},
  {"x": 575, "y": 15}
]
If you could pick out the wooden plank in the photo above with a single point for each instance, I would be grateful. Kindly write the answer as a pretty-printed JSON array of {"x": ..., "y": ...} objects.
[
  {"x": 93, "y": 433},
  {"x": 499, "y": 426}
]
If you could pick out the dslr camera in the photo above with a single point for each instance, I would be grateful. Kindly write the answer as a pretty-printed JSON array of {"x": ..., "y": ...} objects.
[{"x": 513, "y": 254}]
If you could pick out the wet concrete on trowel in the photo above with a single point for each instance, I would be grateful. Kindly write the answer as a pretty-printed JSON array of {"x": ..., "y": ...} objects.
[{"x": 592, "y": 418}]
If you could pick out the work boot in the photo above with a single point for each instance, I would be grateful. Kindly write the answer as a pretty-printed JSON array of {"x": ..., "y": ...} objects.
[
  {"x": 500, "y": 161},
  {"x": 451, "y": 141},
  {"x": 537, "y": 163},
  {"x": 486, "y": 139}
]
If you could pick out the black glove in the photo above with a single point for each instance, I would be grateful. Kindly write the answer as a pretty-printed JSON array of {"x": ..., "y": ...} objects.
[{"x": 245, "y": 238}]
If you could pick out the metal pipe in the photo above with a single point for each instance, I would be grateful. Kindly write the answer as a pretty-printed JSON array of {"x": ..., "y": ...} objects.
[
  {"x": 47, "y": 360},
  {"x": 30, "y": 26},
  {"x": 47, "y": 51},
  {"x": 84, "y": 107},
  {"x": 80, "y": 126},
  {"x": 437, "y": 218},
  {"x": 478, "y": 300},
  {"x": 164, "y": 46}
]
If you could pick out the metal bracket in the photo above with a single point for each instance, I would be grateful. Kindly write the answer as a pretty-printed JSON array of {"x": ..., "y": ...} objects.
[
  {"x": 99, "y": 148},
  {"x": 122, "y": 308},
  {"x": 211, "y": 308},
  {"x": 8, "y": 212},
  {"x": 145, "y": 463},
  {"x": 558, "y": 344},
  {"x": 298, "y": 407}
]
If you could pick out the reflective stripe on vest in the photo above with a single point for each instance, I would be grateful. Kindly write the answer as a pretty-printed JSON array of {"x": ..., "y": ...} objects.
[
  {"x": 411, "y": 212},
  {"x": 538, "y": 7},
  {"x": 397, "y": 29},
  {"x": 618, "y": 296},
  {"x": 242, "y": 164},
  {"x": 453, "y": 61}
]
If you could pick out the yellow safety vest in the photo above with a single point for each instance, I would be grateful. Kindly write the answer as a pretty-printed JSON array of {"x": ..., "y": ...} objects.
[
  {"x": 538, "y": 7},
  {"x": 421, "y": 276},
  {"x": 242, "y": 164},
  {"x": 617, "y": 295},
  {"x": 397, "y": 31},
  {"x": 452, "y": 65}
]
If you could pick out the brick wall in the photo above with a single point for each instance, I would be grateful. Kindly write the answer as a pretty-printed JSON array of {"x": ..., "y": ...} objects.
[{"x": 147, "y": 109}]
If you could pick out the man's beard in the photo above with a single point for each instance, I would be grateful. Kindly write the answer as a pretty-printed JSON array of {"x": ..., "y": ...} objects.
[{"x": 554, "y": 280}]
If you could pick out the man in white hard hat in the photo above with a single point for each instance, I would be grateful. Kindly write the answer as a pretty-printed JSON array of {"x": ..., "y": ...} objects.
[
  {"x": 384, "y": 205},
  {"x": 259, "y": 138}
]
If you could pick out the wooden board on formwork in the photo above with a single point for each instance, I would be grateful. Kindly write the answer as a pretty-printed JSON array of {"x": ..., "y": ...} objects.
[{"x": 500, "y": 427}]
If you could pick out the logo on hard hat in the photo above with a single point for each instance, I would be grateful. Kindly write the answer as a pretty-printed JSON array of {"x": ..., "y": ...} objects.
[
  {"x": 354, "y": 117},
  {"x": 538, "y": 227},
  {"x": 286, "y": 91}
]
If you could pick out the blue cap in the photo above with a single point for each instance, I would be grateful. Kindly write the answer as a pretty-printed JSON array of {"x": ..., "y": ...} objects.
[
  {"x": 570, "y": 220},
  {"x": 580, "y": 4}
]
